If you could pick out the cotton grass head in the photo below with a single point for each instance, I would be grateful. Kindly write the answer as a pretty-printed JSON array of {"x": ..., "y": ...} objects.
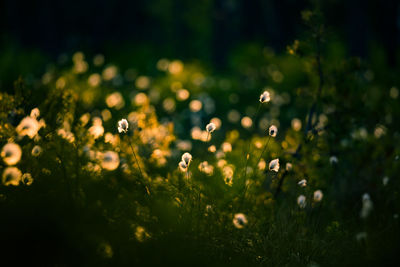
[
  {"x": 318, "y": 195},
  {"x": 110, "y": 160},
  {"x": 265, "y": 97},
  {"x": 28, "y": 127},
  {"x": 36, "y": 151},
  {"x": 27, "y": 179},
  {"x": 367, "y": 206},
  {"x": 239, "y": 220},
  {"x": 274, "y": 165},
  {"x": 187, "y": 158},
  {"x": 301, "y": 201},
  {"x": 273, "y": 131},
  {"x": 211, "y": 127},
  {"x": 11, "y": 153},
  {"x": 182, "y": 166},
  {"x": 123, "y": 126},
  {"x": 11, "y": 176},
  {"x": 302, "y": 183}
]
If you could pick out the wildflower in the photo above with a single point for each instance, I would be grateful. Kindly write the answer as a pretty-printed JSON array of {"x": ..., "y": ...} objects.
[
  {"x": 11, "y": 153},
  {"x": 274, "y": 165},
  {"x": 11, "y": 176},
  {"x": 318, "y": 195},
  {"x": 187, "y": 158},
  {"x": 228, "y": 181},
  {"x": 333, "y": 160},
  {"x": 385, "y": 180},
  {"x": 206, "y": 168},
  {"x": 110, "y": 160},
  {"x": 301, "y": 201},
  {"x": 28, "y": 126},
  {"x": 97, "y": 129},
  {"x": 27, "y": 179},
  {"x": 265, "y": 97},
  {"x": 36, "y": 151},
  {"x": 273, "y": 131},
  {"x": 123, "y": 126},
  {"x": 367, "y": 206},
  {"x": 35, "y": 113},
  {"x": 182, "y": 166},
  {"x": 303, "y": 183},
  {"x": 210, "y": 127},
  {"x": 239, "y": 220}
]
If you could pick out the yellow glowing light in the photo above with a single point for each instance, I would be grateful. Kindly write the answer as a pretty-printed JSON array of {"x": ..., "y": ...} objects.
[{"x": 195, "y": 105}]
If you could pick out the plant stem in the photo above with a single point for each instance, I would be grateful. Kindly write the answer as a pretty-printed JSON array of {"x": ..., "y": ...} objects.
[
  {"x": 249, "y": 146},
  {"x": 265, "y": 147},
  {"x": 140, "y": 170}
]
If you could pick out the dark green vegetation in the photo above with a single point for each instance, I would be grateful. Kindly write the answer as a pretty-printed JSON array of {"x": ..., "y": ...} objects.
[{"x": 89, "y": 203}]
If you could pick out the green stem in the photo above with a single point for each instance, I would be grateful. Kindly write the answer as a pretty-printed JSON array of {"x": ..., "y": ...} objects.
[{"x": 265, "y": 147}]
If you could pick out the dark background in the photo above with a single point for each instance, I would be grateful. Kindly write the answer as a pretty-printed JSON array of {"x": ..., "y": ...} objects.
[{"x": 206, "y": 30}]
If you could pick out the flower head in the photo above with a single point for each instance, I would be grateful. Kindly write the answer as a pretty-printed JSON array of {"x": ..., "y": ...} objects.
[
  {"x": 182, "y": 166},
  {"x": 11, "y": 153},
  {"x": 11, "y": 176},
  {"x": 187, "y": 158},
  {"x": 28, "y": 126},
  {"x": 27, "y": 179},
  {"x": 333, "y": 160},
  {"x": 274, "y": 165},
  {"x": 301, "y": 201},
  {"x": 110, "y": 160},
  {"x": 123, "y": 126},
  {"x": 318, "y": 195},
  {"x": 36, "y": 151},
  {"x": 367, "y": 206},
  {"x": 273, "y": 131},
  {"x": 239, "y": 220},
  {"x": 265, "y": 97},
  {"x": 302, "y": 183},
  {"x": 211, "y": 127}
]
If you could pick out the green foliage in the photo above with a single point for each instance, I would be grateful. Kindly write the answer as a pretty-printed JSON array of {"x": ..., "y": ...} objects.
[{"x": 90, "y": 204}]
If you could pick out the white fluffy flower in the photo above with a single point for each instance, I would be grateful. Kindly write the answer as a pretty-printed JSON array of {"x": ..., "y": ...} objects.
[
  {"x": 301, "y": 201},
  {"x": 239, "y": 220},
  {"x": 123, "y": 126},
  {"x": 333, "y": 160},
  {"x": 110, "y": 160},
  {"x": 11, "y": 176},
  {"x": 302, "y": 183},
  {"x": 27, "y": 179},
  {"x": 273, "y": 131},
  {"x": 210, "y": 127},
  {"x": 265, "y": 97},
  {"x": 318, "y": 195},
  {"x": 11, "y": 153},
  {"x": 28, "y": 126},
  {"x": 274, "y": 165},
  {"x": 367, "y": 206},
  {"x": 182, "y": 166},
  {"x": 36, "y": 151},
  {"x": 187, "y": 158}
]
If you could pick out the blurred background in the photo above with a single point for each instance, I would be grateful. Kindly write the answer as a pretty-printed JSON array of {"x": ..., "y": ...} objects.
[{"x": 138, "y": 33}]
